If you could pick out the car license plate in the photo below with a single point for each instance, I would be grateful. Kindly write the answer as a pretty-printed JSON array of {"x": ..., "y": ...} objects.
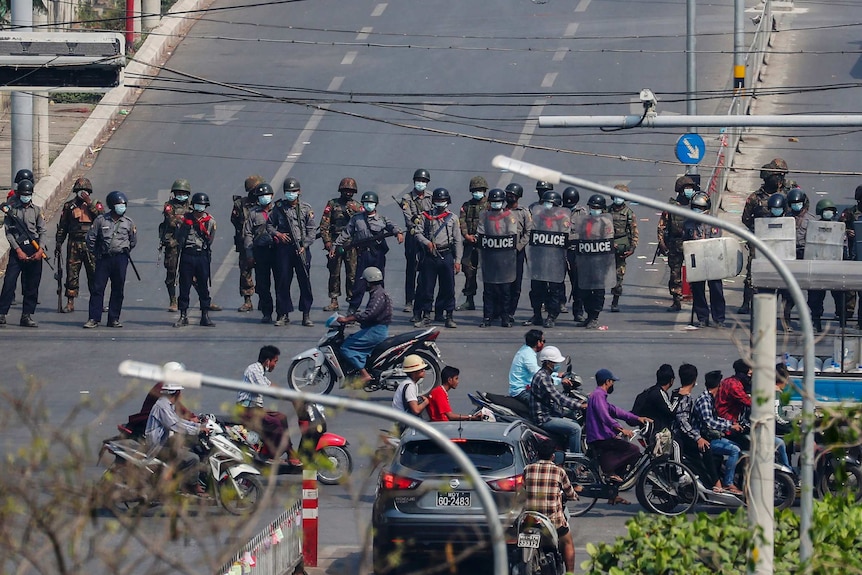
[
  {"x": 453, "y": 499},
  {"x": 529, "y": 540}
]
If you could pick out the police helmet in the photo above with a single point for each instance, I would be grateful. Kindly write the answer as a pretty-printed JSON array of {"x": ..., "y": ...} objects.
[
  {"x": 683, "y": 182},
  {"x": 181, "y": 186},
  {"x": 543, "y": 186},
  {"x": 859, "y": 193},
  {"x": 201, "y": 198},
  {"x": 252, "y": 182},
  {"x": 82, "y": 184},
  {"x": 597, "y": 201},
  {"x": 370, "y": 197},
  {"x": 776, "y": 166},
  {"x": 290, "y": 185},
  {"x": 478, "y": 183},
  {"x": 553, "y": 197},
  {"x": 441, "y": 195},
  {"x": 571, "y": 197},
  {"x": 496, "y": 195},
  {"x": 24, "y": 188},
  {"x": 115, "y": 198},
  {"x": 796, "y": 195},
  {"x": 24, "y": 174},
  {"x": 263, "y": 189},
  {"x": 422, "y": 174},
  {"x": 515, "y": 189},
  {"x": 372, "y": 275},
  {"x": 347, "y": 185},
  {"x": 778, "y": 200},
  {"x": 824, "y": 204},
  {"x": 701, "y": 201}
]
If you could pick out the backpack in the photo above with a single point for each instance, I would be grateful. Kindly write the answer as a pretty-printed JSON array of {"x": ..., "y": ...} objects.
[{"x": 640, "y": 401}]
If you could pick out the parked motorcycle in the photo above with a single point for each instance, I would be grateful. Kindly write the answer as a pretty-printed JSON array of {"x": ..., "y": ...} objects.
[
  {"x": 537, "y": 551},
  {"x": 318, "y": 369},
  {"x": 135, "y": 479}
]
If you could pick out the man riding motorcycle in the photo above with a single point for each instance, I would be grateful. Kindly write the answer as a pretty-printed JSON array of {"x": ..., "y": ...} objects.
[
  {"x": 164, "y": 437},
  {"x": 374, "y": 322}
]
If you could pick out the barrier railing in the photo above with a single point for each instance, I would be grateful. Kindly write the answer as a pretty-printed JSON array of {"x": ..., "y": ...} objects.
[{"x": 277, "y": 550}]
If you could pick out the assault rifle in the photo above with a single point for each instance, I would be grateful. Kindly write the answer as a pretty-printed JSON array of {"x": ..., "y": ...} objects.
[
  {"x": 58, "y": 275},
  {"x": 361, "y": 243}
]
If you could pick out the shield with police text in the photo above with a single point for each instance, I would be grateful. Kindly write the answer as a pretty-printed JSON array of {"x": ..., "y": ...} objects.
[
  {"x": 498, "y": 237},
  {"x": 547, "y": 248},
  {"x": 593, "y": 237}
]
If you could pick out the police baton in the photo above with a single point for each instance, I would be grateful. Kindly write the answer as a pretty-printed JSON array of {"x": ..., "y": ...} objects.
[{"x": 131, "y": 261}]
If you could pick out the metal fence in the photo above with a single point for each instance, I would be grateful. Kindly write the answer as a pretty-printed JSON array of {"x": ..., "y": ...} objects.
[{"x": 277, "y": 550}]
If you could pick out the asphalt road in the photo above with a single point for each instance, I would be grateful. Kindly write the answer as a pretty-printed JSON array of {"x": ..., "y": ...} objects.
[{"x": 329, "y": 89}]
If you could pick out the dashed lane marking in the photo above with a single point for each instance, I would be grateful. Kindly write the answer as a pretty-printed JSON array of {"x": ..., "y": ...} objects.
[{"x": 378, "y": 10}]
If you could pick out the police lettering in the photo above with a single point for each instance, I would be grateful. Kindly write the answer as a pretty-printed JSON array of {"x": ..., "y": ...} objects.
[
  {"x": 498, "y": 242},
  {"x": 551, "y": 239},
  {"x": 595, "y": 246}
]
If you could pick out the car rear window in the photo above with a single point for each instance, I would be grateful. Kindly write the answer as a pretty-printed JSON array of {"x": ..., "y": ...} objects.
[{"x": 428, "y": 457}]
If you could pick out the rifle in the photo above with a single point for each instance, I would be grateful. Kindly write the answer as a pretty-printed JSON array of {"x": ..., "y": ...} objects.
[
  {"x": 5, "y": 208},
  {"x": 296, "y": 246},
  {"x": 356, "y": 244},
  {"x": 58, "y": 275},
  {"x": 159, "y": 255}
]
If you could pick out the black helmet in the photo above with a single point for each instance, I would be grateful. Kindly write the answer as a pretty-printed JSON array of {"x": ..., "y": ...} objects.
[
  {"x": 441, "y": 194},
  {"x": 263, "y": 189},
  {"x": 597, "y": 201},
  {"x": 824, "y": 204},
  {"x": 701, "y": 200},
  {"x": 422, "y": 174},
  {"x": 115, "y": 198},
  {"x": 515, "y": 189},
  {"x": 370, "y": 197},
  {"x": 201, "y": 198},
  {"x": 24, "y": 174},
  {"x": 291, "y": 185},
  {"x": 496, "y": 195},
  {"x": 553, "y": 197},
  {"x": 683, "y": 182},
  {"x": 542, "y": 186},
  {"x": 796, "y": 195},
  {"x": 778, "y": 200},
  {"x": 25, "y": 187},
  {"x": 859, "y": 193},
  {"x": 571, "y": 197}
]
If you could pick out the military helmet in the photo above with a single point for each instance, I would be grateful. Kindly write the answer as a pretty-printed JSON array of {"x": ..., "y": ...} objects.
[
  {"x": 115, "y": 198},
  {"x": 422, "y": 174},
  {"x": 263, "y": 189},
  {"x": 201, "y": 198},
  {"x": 82, "y": 184},
  {"x": 553, "y": 197},
  {"x": 776, "y": 166},
  {"x": 370, "y": 197},
  {"x": 24, "y": 174},
  {"x": 571, "y": 197},
  {"x": 252, "y": 182},
  {"x": 858, "y": 193},
  {"x": 25, "y": 187},
  {"x": 824, "y": 204},
  {"x": 440, "y": 195},
  {"x": 796, "y": 195},
  {"x": 516, "y": 189},
  {"x": 181, "y": 186},
  {"x": 478, "y": 183},
  {"x": 290, "y": 185},
  {"x": 347, "y": 185},
  {"x": 597, "y": 201},
  {"x": 701, "y": 200},
  {"x": 372, "y": 274},
  {"x": 543, "y": 186},
  {"x": 496, "y": 195},
  {"x": 778, "y": 200},
  {"x": 682, "y": 182}
]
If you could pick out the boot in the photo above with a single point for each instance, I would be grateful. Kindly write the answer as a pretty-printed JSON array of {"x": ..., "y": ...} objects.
[
  {"x": 450, "y": 322},
  {"x": 306, "y": 320},
  {"x": 205, "y": 318},
  {"x": 506, "y": 320},
  {"x": 422, "y": 321},
  {"x": 246, "y": 304},
  {"x": 408, "y": 308},
  {"x": 550, "y": 321},
  {"x": 70, "y": 305},
  {"x": 333, "y": 305},
  {"x": 676, "y": 305},
  {"x": 535, "y": 320},
  {"x": 578, "y": 315},
  {"x": 438, "y": 317},
  {"x": 27, "y": 321},
  {"x": 486, "y": 322},
  {"x": 215, "y": 307},
  {"x": 745, "y": 308},
  {"x": 172, "y": 293},
  {"x": 282, "y": 320},
  {"x": 592, "y": 323},
  {"x": 173, "y": 306},
  {"x": 615, "y": 304},
  {"x": 469, "y": 304},
  {"x": 184, "y": 319}
]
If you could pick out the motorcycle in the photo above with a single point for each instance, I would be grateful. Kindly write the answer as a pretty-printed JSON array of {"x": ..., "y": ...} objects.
[
  {"x": 536, "y": 551},
  {"x": 135, "y": 479},
  {"x": 316, "y": 370}
]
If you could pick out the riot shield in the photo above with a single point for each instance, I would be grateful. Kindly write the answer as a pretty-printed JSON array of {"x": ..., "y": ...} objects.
[
  {"x": 498, "y": 235},
  {"x": 779, "y": 234},
  {"x": 546, "y": 254},
  {"x": 594, "y": 238},
  {"x": 824, "y": 241}
]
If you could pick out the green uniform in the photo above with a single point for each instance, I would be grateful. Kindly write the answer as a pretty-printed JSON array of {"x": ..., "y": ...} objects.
[
  {"x": 242, "y": 206},
  {"x": 671, "y": 232},
  {"x": 173, "y": 213},
  {"x": 336, "y": 215},
  {"x": 75, "y": 221},
  {"x": 625, "y": 240}
]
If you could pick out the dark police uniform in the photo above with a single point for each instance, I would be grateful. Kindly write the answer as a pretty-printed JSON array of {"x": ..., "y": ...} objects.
[
  {"x": 522, "y": 215},
  {"x": 412, "y": 206},
  {"x": 195, "y": 237},
  {"x": 444, "y": 232},
  {"x": 297, "y": 221},
  {"x": 110, "y": 240},
  {"x": 23, "y": 225}
]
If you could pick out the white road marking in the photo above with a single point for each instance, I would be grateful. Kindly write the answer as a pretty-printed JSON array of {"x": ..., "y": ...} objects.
[
  {"x": 549, "y": 79},
  {"x": 378, "y": 10},
  {"x": 571, "y": 30},
  {"x": 349, "y": 58},
  {"x": 560, "y": 54},
  {"x": 364, "y": 32},
  {"x": 526, "y": 135},
  {"x": 582, "y": 6}
]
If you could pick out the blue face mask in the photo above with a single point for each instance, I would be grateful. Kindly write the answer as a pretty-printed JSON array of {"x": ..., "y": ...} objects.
[
  {"x": 369, "y": 206},
  {"x": 828, "y": 214},
  {"x": 420, "y": 186},
  {"x": 496, "y": 205},
  {"x": 440, "y": 206},
  {"x": 478, "y": 195},
  {"x": 595, "y": 212},
  {"x": 182, "y": 198},
  {"x": 548, "y": 205},
  {"x": 796, "y": 206},
  {"x": 25, "y": 199},
  {"x": 688, "y": 192},
  {"x": 199, "y": 207},
  {"x": 777, "y": 211},
  {"x": 120, "y": 209},
  {"x": 291, "y": 196},
  {"x": 618, "y": 201},
  {"x": 264, "y": 200}
]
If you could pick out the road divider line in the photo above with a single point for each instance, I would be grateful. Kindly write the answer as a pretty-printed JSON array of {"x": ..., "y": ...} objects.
[
  {"x": 378, "y": 10},
  {"x": 364, "y": 32},
  {"x": 349, "y": 58},
  {"x": 582, "y": 6},
  {"x": 527, "y": 132},
  {"x": 549, "y": 80}
]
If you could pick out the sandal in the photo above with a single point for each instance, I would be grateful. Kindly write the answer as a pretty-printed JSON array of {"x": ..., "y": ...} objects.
[
  {"x": 734, "y": 490},
  {"x": 618, "y": 501},
  {"x": 718, "y": 489}
]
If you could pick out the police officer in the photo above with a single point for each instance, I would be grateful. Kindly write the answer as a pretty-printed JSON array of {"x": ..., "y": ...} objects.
[
  {"x": 594, "y": 297},
  {"x": 541, "y": 187},
  {"x": 439, "y": 234},
  {"x": 848, "y": 216},
  {"x": 336, "y": 214},
  {"x": 625, "y": 240},
  {"x": 571, "y": 197},
  {"x": 695, "y": 230},
  {"x": 25, "y": 232},
  {"x": 413, "y": 203},
  {"x": 75, "y": 221},
  {"x": 671, "y": 233},
  {"x": 826, "y": 209},
  {"x": 551, "y": 227},
  {"x": 469, "y": 220},
  {"x": 242, "y": 206},
  {"x": 499, "y": 230},
  {"x": 111, "y": 238},
  {"x": 293, "y": 234},
  {"x": 773, "y": 175},
  {"x": 172, "y": 213},
  {"x": 514, "y": 193},
  {"x": 195, "y": 238},
  {"x": 363, "y": 235},
  {"x": 260, "y": 249}
]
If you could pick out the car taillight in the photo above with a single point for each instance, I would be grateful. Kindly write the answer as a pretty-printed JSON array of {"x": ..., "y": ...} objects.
[
  {"x": 513, "y": 483},
  {"x": 392, "y": 481}
]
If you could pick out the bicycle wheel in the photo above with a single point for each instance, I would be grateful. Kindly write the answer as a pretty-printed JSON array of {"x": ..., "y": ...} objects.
[
  {"x": 667, "y": 487},
  {"x": 843, "y": 482},
  {"x": 581, "y": 473}
]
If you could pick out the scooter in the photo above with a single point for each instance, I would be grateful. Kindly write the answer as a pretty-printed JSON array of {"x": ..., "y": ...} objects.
[
  {"x": 136, "y": 479},
  {"x": 537, "y": 549},
  {"x": 318, "y": 369}
]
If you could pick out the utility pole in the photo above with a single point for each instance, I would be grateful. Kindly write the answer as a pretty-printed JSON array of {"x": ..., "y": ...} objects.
[
  {"x": 691, "y": 70},
  {"x": 22, "y": 102}
]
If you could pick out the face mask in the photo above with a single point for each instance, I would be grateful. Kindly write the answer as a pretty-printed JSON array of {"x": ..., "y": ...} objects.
[
  {"x": 478, "y": 195},
  {"x": 82, "y": 193},
  {"x": 182, "y": 198},
  {"x": 291, "y": 196},
  {"x": 688, "y": 192},
  {"x": 420, "y": 186},
  {"x": 440, "y": 205},
  {"x": 595, "y": 212},
  {"x": 618, "y": 201},
  {"x": 199, "y": 207},
  {"x": 120, "y": 209},
  {"x": 264, "y": 200},
  {"x": 611, "y": 389},
  {"x": 369, "y": 206},
  {"x": 25, "y": 199},
  {"x": 496, "y": 205},
  {"x": 796, "y": 207},
  {"x": 548, "y": 205},
  {"x": 777, "y": 211},
  {"x": 828, "y": 214}
]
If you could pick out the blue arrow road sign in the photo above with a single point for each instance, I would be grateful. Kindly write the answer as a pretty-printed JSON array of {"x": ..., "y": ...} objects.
[{"x": 690, "y": 149}]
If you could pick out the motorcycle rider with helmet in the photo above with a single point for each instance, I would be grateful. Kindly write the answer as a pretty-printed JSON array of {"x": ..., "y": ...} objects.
[
  {"x": 548, "y": 406},
  {"x": 165, "y": 438},
  {"x": 194, "y": 239},
  {"x": 695, "y": 230},
  {"x": 374, "y": 321}
]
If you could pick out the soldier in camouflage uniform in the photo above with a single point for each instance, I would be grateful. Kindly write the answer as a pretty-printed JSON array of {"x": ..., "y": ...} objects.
[
  {"x": 242, "y": 206},
  {"x": 469, "y": 220},
  {"x": 75, "y": 221},
  {"x": 773, "y": 175},
  {"x": 173, "y": 212},
  {"x": 625, "y": 241},
  {"x": 671, "y": 233},
  {"x": 848, "y": 216},
  {"x": 336, "y": 215}
]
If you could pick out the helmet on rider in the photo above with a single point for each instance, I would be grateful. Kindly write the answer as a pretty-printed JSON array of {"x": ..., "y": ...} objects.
[
  {"x": 372, "y": 275},
  {"x": 171, "y": 388},
  {"x": 550, "y": 354},
  {"x": 290, "y": 185},
  {"x": 571, "y": 197},
  {"x": 201, "y": 198},
  {"x": 701, "y": 201},
  {"x": 552, "y": 197}
]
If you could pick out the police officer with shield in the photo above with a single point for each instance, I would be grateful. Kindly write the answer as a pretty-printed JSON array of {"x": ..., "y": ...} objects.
[
  {"x": 826, "y": 210},
  {"x": 695, "y": 230},
  {"x": 469, "y": 220},
  {"x": 593, "y": 234},
  {"x": 547, "y": 257},
  {"x": 499, "y": 230},
  {"x": 571, "y": 197},
  {"x": 514, "y": 193}
]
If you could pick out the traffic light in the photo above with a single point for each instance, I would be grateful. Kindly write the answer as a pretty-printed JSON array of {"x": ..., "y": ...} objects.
[{"x": 61, "y": 61}]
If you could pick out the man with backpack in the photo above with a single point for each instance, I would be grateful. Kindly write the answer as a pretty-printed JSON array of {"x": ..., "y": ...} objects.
[{"x": 656, "y": 402}]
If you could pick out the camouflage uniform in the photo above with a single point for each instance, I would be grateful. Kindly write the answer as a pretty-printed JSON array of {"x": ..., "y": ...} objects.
[
  {"x": 336, "y": 215},
  {"x": 625, "y": 242},
  {"x": 671, "y": 233},
  {"x": 172, "y": 212},
  {"x": 242, "y": 207},
  {"x": 469, "y": 220},
  {"x": 75, "y": 221},
  {"x": 848, "y": 216}
]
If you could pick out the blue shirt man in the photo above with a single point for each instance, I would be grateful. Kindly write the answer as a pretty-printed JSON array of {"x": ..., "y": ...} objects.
[{"x": 525, "y": 365}]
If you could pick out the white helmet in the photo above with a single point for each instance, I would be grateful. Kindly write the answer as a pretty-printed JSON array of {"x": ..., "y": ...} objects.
[
  {"x": 550, "y": 353},
  {"x": 173, "y": 366},
  {"x": 372, "y": 274},
  {"x": 172, "y": 387}
]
